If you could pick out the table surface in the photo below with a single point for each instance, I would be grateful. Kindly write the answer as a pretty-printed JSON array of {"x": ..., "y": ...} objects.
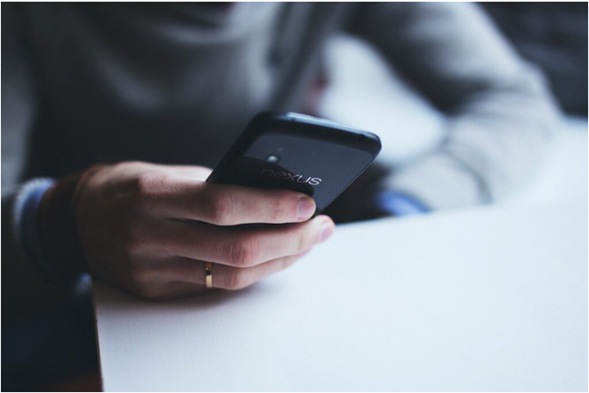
[{"x": 490, "y": 299}]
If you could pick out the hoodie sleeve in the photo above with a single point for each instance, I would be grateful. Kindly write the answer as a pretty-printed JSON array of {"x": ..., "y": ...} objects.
[
  {"x": 26, "y": 286},
  {"x": 499, "y": 113}
]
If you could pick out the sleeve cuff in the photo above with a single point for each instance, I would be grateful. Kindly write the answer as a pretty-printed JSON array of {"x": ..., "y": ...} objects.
[
  {"x": 440, "y": 181},
  {"x": 399, "y": 204},
  {"x": 26, "y": 222}
]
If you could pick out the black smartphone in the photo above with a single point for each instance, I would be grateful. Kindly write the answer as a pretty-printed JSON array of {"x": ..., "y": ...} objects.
[{"x": 300, "y": 153}]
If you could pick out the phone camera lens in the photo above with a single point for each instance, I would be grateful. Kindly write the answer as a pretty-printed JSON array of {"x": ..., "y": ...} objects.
[
  {"x": 272, "y": 159},
  {"x": 361, "y": 138}
]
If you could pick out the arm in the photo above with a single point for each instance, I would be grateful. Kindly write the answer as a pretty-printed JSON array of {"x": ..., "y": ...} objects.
[
  {"x": 153, "y": 230},
  {"x": 24, "y": 286},
  {"x": 499, "y": 114}
]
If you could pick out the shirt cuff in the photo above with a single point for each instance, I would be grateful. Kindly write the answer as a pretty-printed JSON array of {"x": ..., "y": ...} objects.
[
  {"x": 399, "y": 204},
  {"x": 29, "y": 233}
]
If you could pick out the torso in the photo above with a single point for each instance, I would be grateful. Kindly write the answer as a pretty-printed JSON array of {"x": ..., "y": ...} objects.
[{"x": 167, "y": 84}]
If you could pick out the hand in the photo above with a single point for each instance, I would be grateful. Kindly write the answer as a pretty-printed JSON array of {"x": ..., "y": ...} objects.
[{"x": 149, "y": 229}]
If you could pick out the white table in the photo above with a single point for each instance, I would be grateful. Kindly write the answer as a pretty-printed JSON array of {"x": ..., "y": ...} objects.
[{"x": 490, "y": 299}]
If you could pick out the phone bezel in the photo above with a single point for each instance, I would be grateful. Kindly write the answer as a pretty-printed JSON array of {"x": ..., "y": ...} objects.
[{"x": 301, "y": 126}]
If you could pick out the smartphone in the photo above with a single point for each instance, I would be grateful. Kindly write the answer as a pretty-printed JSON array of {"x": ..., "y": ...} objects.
[{"x": 299, "y": 153}]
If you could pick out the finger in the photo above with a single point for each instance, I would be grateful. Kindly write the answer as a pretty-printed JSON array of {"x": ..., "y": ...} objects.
[
  {"x": 234, "y": 205},
  {"x": 242, "y": 246},
  {"x": 178, "y": 195},
  {"x": 169, "y": 290},
  {"x": 189, "y": 271},
  {"x": 195, "y": 172}
]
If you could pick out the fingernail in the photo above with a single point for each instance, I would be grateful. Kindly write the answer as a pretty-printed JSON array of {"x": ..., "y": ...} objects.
[
  {"x": 305, "y": 208},
  {"x": 327, "y": 230}
]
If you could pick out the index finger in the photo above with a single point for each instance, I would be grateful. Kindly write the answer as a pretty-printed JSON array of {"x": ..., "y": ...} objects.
[{"x": 184, "y": 198}]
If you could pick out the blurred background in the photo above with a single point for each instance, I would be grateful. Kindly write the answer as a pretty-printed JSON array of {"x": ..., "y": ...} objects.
[{"x": 551, "y": 35}]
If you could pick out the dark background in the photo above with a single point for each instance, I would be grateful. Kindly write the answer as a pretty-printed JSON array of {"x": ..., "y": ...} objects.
[{"x": 554, "y": 36}]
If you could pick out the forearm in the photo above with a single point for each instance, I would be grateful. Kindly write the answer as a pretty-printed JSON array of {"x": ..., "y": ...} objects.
[
  {"x": 495, "y": 142},
  {"x": 26, "y": 288},
  {"x": 499, "y": 114},
  {"x": 42, "y": 259}
]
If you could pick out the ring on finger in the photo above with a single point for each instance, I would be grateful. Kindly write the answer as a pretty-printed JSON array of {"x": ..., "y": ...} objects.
[{"x": 208, "y": 275}]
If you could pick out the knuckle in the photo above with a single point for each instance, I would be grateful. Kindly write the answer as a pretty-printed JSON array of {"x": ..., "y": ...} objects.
[
  {"x": 141, "y": 187},
  {"x": 245, "y": 251},
  {"x": 219, "y": 207},
  {"x": 236, "y": 279},
  {"x": 279, "y": 210},
  {"x": 142, "y": 183},
  {"x": 121, "y": 166},
  {"x": 146, "y": 183}
]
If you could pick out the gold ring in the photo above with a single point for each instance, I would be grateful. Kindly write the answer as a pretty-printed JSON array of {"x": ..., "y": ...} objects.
[{"x": 208, "y": 275}]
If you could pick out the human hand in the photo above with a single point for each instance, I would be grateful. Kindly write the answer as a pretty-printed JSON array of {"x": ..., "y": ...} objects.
[{"x": 150, "y": 228}]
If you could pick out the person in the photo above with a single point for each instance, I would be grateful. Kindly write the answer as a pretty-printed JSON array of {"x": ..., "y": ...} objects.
[{"x": 123, "y": 108}]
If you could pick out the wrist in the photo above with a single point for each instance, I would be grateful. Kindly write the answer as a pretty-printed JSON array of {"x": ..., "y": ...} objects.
[
  {"x": 27, "y": 229},
  {"x": 56, "y": 219}
]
